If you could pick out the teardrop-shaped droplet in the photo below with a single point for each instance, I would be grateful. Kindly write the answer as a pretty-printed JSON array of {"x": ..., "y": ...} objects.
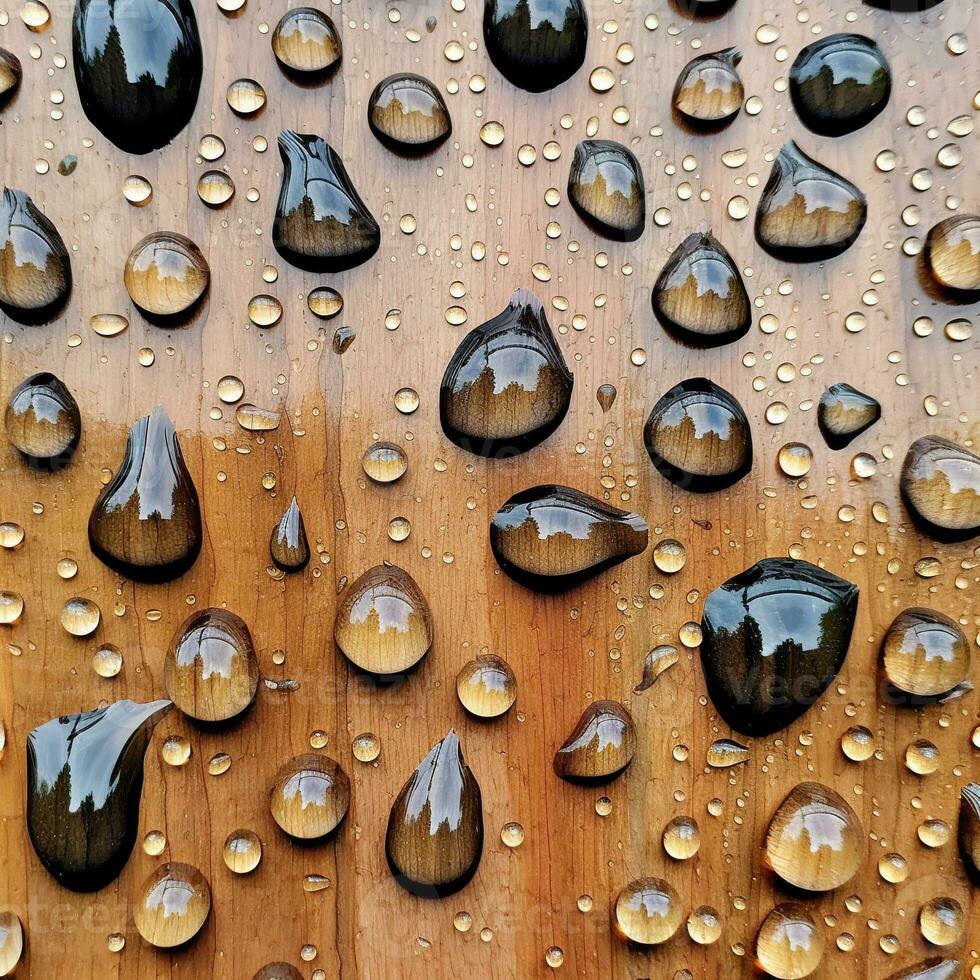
[
  {"x": 600, "y": 747},
  {"x": 773, "y": 638},
  {"x": 968, "y": 831},
  {"x": 648, "y": 911},
  {"x": 605, "y": 186},
  {"x": 725, "y": 752},
  {"x": 11, "y": 942},
  {"x": 844, "y": 413},
  {"x": 657, "y": 661},
  {"x": 11, "y": 73},
  {"x": 408, "y": 114},
  {"x": 383, "y": 624},
  {"x": 699, "y": 294},
  {"x": 289, "y": 546},
  {"x": 43, "y": 422},
  {"x": 306, "y": 43},
  {"x": 940, "y": 485},
  {"x": 536, "y": 44},
  {"x": 384, "y": 462},
  {"x": 935, "y": 967},
  {"x": 84, "y": 780},
  {"x": 789, "y": 945},
  {"x": 210, "y": 671},
  {"x": 924, "y": 654},
  {"x": 486, "y": 686},
  {"x": 839, "y": 83},
  {"x": 310, "y": 796},
  {"x": 814, "y": 841},
  {"x": 138, "y": 66},
  {"x": 435, "y": 829},
  {"x": 507, "y": 387},
  {"x": 146, "y": 522},
  {"x": 321, "y": 224},
  {"x": 698, "y": 437},
  {"x": 709, "y": 92},
  {"x": 807, "y": 212},
  {"x": 605, "y": 395},
  {"x": 552, "y": 538},
  {"x": 953, "y": 253},
  {"x": 172, "y": 905},
  {"x": 278, "y": 971},
  {"x": 35, "y": 271},
  {"x": 166, "y": 275}
]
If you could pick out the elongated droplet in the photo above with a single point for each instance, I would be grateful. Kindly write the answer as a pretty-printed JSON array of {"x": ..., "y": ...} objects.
[
  {"x": 321, "y": 224},
  {"x": 383, "y": 624},
  {"x": 289, "y": 546},
  {"x": 35, "y": 271},
  {"x": 138, "y": 66},
  {"x": 306, "y": 43},
  {"x": 172, "y": 905},
  {"x": 924, "y": 655},
  {"x": 807, "y": 212},
  {"x": 953, "y": 253},
  {"x": 657, "y": 661},
  {"x": 84, "y": 780},
  {"x": 11, "y": 942},
  {"x": 536, "y": 44},
  {"x": 709, "y": 92},
  {"x": 605, "y": 186},
  {"x": 210, "y": 671},
  {"x": 773, "y": 638},
  {"x": 435, "y": 829},
  {"x": 486, "y": 686},
  {"x": 11, "y": 73},
  {"x": 903, "y": 6},
  {"x": 839, "y": 83},
  {"x": 940, "y": 485},
  {"x": 789, "y": 945},
  {"x": 43, "y": 422},
  {"x": 166, "y": 275},
  {"x": 648, "y": 911},
  {"x": 146, "y": 522},
  {"x": 814, "y": 841},
  {"x": 310, "y": 796},
  {"x": 968, "y": 831},
  {"x": 600, "y": 747},
  {"x": 725, "y": 752},
  {"x": 699, "y": 294},
  {"x": 844, "y": 413},
  {"x": 552, "y": 538},
  {"x": 507, "y": 387},
  {"x": 935, "y": 967},
  {"x": 408, "y": 114},
  {"x": 698, "y": 437}
]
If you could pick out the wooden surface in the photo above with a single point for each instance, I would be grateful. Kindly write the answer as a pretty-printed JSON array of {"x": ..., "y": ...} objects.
[{"x": 566, "y": 650}]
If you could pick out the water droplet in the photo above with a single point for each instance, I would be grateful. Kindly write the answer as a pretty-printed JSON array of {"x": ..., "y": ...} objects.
[
  {"x": 940, "y": 485},
  {"x": 893, "y": 868},
  {"x": 795, "y": 459},
  {"x": 789, "y": 944},
  {"x": 969, "y": 830},
  {"x": 554, "y": 956},
  {"x": 605, "y": 395},
  {"x": 42, "y": 422},
  {"x": 254, "y": 419},
  {"x": 108, "y": 324},
  {"x": 922, "y": 757},
  {"x": 230, "y": 389},
  {"x": 11, "y": 942},
  {"x": 406, "y": 400},
  {"x": 408, "y": 114},
  {"x": 80, "y": 616},
  {"x": 704, "y": 925},
  {"x": 284, "y": 971},
  {"x": 11, "y": 74},
  {"x": 709, "y": 92},
  {"x": 306, "y": 42},
  {"x": 137, "y": 190},
  {"x": 107, "y": 661},
  {"x": 600, "y": 747},
  {"x": 288, "y": 546},
  {"x": 166, "y": 275},
  {"x": 325, "y": 302},
  {"x": 366, "y": 747},
  {"x": 219, "y": 764},
  {"x": 924, "y": 654},
  {"x": 858, "y": 743},
  {"x": 605, "y": 186},
  {"x": 384, "y": 462},
  {"x": 172, "y": 906},
  {"x": 682, "y": 838},
  {"x": 11, "y": 535},
  {"x": 486, "y": 686},
  {"x": 242, "y": 851},
  {"x": 399, "y": 528},
  {"x": 215, "y": 188},
  {"x": 941, "y": 921},
  {"x": 647, "y": 911},
  {"x": 953, "y": 253},
  {"x": 669, "y": 556},
  {"x": 512, "y": 834},
  {"x": 11, "y": 607},
  {"x": 245, "y": 96},
  {"x": 844, "y": 413},
  {"x": 726, "y": 752},
  {"x": 310, "y": 796}
]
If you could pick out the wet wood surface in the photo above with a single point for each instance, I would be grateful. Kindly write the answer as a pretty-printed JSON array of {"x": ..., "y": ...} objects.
[{"x": 566, "y": 650}]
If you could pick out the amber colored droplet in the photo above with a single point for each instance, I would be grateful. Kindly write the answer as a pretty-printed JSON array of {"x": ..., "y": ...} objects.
[
  {"x": 384, "y": 462},
  {"x": 807, "y": 212},
  {"x": 172, "y": 905},
  {"x": 306, "y": 43},
  {"x": 699, "y": 294},
  {"x": 600, "y": 747},
  {"x": 507, "y": 386},
  {"x": 11, "y": 73},
  {"x": 245, "y": 96},
  {"x": 146, "y": 522},
  {"x": 647, "y": 911},
  {"x": 941, "y": 921},
  {"x": 726, "y": 752},
  {"x": 858, "y": 743},
  {"x": 310, "y": 796},
  {"x": 936, "y": 967},
  {"x": 383, "y": 624},
  {"x": 486, "y": 686},
  {"x": 434, "y": 839},
  {"x": 605, "y": 396},
  {"x": 108, "y": 324},
  {"x": 953, "y": 254},
  {"x": 550, "y": 538},
  {"x": 682, "y": 838},
  {"x": 795, "y": 459},
  {"x": 254, "y": 419},
  {"x": 11, "y": 942},
  {"x": 605, "y": 186},
  {"x": 698, "y": 437},
  {"x": 166, "y": 275},
  {"x": 814, "y": 841},
  {"x": 709, "y": 92},
  {"x": 657, "y": 661},
  {"x": 242, "y": 851},
  {"x": 839, "y": 83},
  {"x": 289, "y": 546},
  {"x": 35, "y": 271},
  {"x": 11, "y": 607},
  {"x": 324, "y": 302},
  {"x": 43, "y": 422},
  {"x": 968, "y": 830},
  {"x": 408, "y": 114},
  {"x": 940, "y": 485},
  {"x": 321, "y": 223},
  {"x": 844, "y": 413},
  {"x": 278, "y": 971},
  {"x": 210, "y": 670},
  {"x": 215, "y": 188},
  {"x": 924, "y": 654},
  {"x": 789, "y": 945}
]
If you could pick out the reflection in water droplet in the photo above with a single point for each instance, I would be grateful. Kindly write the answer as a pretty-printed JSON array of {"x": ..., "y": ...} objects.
[
  {"x": 42, "y": 421},
  {"x": 264, "y": 310},
  {"x": 858, "y": 743},
  {"x": 172, "y": 905},
  {"x": 245, "y": 96},
  {"x": 605, "y": 186},
  {"x": 254, "y": 419},
  {"x": 11, "y": 607},
  {"x": 512, "y": 834},
  {"x": 11, "y": 942},
  {"x": 789, "y": 945},
  {"x": 399, "y": 528},
  {"x": 108, "y": 324},
  {"x": 669, "y": 556},
  {"x": 107, "y": 661},
  {"x": 384, "y": 462},
  {"x": 289, "y": 546},
  {"x": 704, "y": 925},
  {"x": 176, "y": 751},
  {"x": 941, "y": 921},
  {"x": 486, "y": 686},
  {"x": 709, "y": 91},
  {"x": 310, "y": 796},
  {"x": 657, "y": 661},
  {"x": 230, "y": 389},
  {"x": 80, "y": 616},
  {"x": 605, "y": 395},
  {"x": 795, "y": 459},
  {"x": 600, "y": 747},
  {"x": 406, "y": 400},
  {"x": 953, "y": 254},
  {"x": 242, "y": 851},
  {"x": 166, "y": 275},
  {"x": 682, "y": 838},
  {"x": 366, "y": 747},
  {"x": 922, "y": 757},
  {"x": 137, "y": 190},
  {"x": 647, "y": 911},
  {"x": 324, "y": 302},
  {"x": 306, "y": 42},
  {"x": 407, "y": 113},
  {"x": 924, "y": 654},
  {"x": 844, "y": 413},
  {"x": 726, "y": 752},
  {"x": 940, "y": 485},
  {"x": 11, "y": 73},
  {"x": 215, "y": 188},
  {"x": 893, "y": 868}
]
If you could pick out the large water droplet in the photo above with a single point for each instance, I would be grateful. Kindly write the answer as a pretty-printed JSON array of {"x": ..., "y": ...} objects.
[
  {"x": 11, "y": 73},
  {"x": 940, "y": 485},
  {"x": 43, "y": 422},
  {"x": 935, "y": 967},
  {"x": 648, "y": 911},
  {"x": 709, "y": 92},
  {"x": 166, "y": 275},
  {"x": 657, "y": 661},
  {"x": 307, "y": 44},
  {"x": 924, "y": 655},
  {"x": 408, "y": 114},
  {"x": 310, "y": 796},
  {"x": 605, "y": 186},
  {"x": 844, "y": 413},
  {"x": 172, "y": 905},
  {"x": 289, "y": 546},
  {"x": 11, "y": 942},
  {"x": 953, "y": 254},
  {"x": 486, "y": 686},
  {"x": 968, "y": 830},
  {"x": 600, "y": 747},
  {"x": 789, "y": 945},
  {"x": 941, "y": 921}
]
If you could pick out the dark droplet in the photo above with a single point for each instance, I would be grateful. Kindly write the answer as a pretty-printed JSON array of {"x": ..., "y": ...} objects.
[
  {"x": 138, "y": 66},
  {"x": 84, "y": 779},
  {"x": 807, "y": 212},
  {"x": 435, "y": 829},
  {"x": 343, "y": 337},
  {"x": 773, "y": 638},
  {"x": 536, "y": 44},
  {"x": 306, "y": 44},
  {"x": 507, "y": 387},
  {"x": 600, "y": 747},
  {"x": 924, "y": 655},
  {"x": 844, "y": 413},
  {"x": 146, "y": 522},
  {"x": 839, "y": 83},
  {"x": 605, "y": 395},
  {"x": 550, "y": 538},
  {"x": 969, "y": 830},
  {"x": 698, "y": 437},
  {"x": 43, "y": 422},
  {"x": 278, "y": 971},
  {"x": 940, "y": 485},
  {"x": 903, "y": 6},
  {"x": 704, "y": 8},
  {"x": 321, "y": 224},
  {"x": 699, "y": 294},
  {"x": 605, "y": 186},
  {"x": 953, "y": 253},
  {"x": 11, "y": 73},
  {"x": 709, "y": 92},
  {"x": 408, "y": 114},
  {"x": 289, "y": 546},
  {"x": 35, "y": 271},
  {"x": 935, "y": 967}
]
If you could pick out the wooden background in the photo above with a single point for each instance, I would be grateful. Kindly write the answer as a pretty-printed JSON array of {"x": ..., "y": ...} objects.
[{"x": 566, "y": 650}]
